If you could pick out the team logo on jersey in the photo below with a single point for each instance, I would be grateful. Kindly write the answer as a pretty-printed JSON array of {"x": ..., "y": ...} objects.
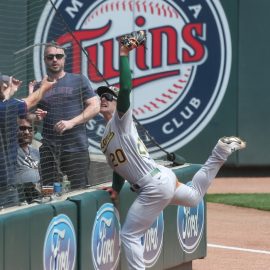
[
  {"x": 60, "y": 249},
  {"x": 105, "y": 141},
  {"x": 106, "y": 241},
  {"x": 178, "y": 83},
  {"x": 190, "y": 226},
  {"x": 153, "y": 241}
]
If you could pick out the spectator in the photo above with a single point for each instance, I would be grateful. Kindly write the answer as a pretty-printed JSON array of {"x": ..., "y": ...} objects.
[
  {"x": 71, "y": 103},
  {"x": 10, "y": 109},
  {"x": 27, "y": 171}
]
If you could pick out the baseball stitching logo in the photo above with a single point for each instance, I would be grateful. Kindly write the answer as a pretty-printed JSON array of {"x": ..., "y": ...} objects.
[
  {"x": 178, "y": 83},
  {"x": 106, "y": 241},
  {"x": 190, "y": 225},
  {"x": 60, "y": 248}
]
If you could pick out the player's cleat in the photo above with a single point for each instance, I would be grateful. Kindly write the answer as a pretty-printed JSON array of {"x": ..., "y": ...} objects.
[{"x": 231, "y": 144}]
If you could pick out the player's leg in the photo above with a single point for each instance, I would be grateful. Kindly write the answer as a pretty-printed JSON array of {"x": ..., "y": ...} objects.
[
  {"x": 191, "y": 196},
  {"x": 139, "y": 218},
  {"x": 151, "y": 200}
]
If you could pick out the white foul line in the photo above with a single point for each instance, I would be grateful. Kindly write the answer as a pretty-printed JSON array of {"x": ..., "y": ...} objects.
[{"x": 240, "y": 249}]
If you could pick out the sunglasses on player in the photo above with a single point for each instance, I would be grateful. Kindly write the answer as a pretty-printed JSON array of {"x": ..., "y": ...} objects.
[
  {"x": 108, "y": 96},
  {"x": 58, "y": 56}
]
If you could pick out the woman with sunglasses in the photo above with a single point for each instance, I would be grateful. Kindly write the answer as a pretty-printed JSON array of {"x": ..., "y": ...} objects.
[
  {"x": 65, "y": 112},
  {"x": 10, "y": 110},
  {"x": 156, "y": 186}
]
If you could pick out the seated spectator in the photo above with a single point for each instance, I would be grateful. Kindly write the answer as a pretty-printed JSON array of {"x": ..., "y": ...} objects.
[
  {"x": 10, "y": 110},
  {"x": 28, "y": 160}
]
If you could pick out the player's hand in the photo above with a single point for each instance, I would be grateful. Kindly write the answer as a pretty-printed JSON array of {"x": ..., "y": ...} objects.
[
  {"x": 40, "y": 114},
  {"x": 112, "y": 192},
  {"x": 63, "y": 125}
]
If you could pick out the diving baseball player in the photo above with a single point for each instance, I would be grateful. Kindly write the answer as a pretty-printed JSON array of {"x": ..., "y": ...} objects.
[{"x": 156, "y": 186}]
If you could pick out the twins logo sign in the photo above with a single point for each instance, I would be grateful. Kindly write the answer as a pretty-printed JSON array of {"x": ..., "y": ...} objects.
[
  {"x": 60, "y": 248},
  {"x": 178, "y": 82}
]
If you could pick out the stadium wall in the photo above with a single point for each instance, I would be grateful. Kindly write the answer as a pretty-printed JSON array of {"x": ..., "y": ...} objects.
[
  {"x": 244, "y": 106},
  {"x": 245, "y": 103},
  {"x": 81, "y": 231}
]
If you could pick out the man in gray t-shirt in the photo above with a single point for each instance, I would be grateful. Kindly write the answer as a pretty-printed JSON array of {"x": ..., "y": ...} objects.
[
  {"x": 68, "y": 107},
  {"x": 27, "y": 169}
]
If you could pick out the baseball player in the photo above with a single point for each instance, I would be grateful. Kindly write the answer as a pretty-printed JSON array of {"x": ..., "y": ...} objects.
[{"x": 156, "y": 186}]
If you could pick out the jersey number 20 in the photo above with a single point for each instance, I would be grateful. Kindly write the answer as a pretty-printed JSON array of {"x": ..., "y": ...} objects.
[{"x": 118, "y": 157}]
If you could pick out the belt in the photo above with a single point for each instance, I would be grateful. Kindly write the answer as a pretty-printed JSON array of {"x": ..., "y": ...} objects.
[
  {"x": 136, "y": 187},
  {"x": 155, "y": 171}
]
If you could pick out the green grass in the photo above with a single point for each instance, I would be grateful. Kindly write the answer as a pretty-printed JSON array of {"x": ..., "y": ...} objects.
[{"x": 259, "y": 201}]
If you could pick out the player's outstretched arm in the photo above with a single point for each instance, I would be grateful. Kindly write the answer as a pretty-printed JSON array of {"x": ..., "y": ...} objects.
[
  {"x": 127, "y": 43},
  {"x": 123, "y": 101}
]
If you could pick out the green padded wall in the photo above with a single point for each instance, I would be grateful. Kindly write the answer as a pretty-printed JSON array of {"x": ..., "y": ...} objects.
[
  {"x": 254, "y": 94},
  {"x": 40, "y": 218},
  {"x": 88, "y": 205},
  {"x": 2, "y": 245},
  {"x": 70, "y": 209},
  {"x": 16, "y": 240},
  {"x": 87, "y": 208},
  {"x": 22, "y": 232}
]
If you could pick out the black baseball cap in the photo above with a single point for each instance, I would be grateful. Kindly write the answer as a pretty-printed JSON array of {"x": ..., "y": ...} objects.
[{"x": 108, "y": 89}]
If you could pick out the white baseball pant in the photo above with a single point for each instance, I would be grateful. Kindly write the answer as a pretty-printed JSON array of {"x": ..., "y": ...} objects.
[{"x": 155, "y": 193}]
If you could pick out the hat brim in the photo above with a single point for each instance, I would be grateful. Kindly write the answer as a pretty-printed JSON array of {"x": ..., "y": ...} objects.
[{"x": 104, "y": 89}]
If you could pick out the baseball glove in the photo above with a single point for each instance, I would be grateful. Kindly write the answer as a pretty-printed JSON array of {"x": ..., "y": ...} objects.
[{"x": 134, "y": 39}]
